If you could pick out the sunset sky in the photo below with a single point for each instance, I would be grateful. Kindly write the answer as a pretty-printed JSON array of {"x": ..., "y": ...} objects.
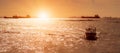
[{"x": 60, "y": 8}]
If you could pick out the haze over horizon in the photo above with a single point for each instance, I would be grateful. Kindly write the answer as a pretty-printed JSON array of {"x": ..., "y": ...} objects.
[{"x": 60, "y": 8}]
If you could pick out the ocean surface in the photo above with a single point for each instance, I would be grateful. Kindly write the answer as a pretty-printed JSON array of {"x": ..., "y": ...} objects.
[{"x": 58, "y": 36}]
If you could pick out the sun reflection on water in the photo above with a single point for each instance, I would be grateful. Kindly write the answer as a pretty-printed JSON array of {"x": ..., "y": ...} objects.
[{"x": 45, "y": 20}]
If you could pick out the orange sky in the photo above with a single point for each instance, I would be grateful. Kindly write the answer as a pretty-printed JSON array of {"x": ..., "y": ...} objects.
[{"x": 60, "y": 8}]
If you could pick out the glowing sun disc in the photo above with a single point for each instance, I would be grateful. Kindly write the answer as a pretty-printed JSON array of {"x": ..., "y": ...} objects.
[{"x": 43, "y": 15}]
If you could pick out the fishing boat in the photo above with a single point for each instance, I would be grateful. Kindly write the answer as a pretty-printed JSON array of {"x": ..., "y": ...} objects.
[{"x": 90, "y": 33}]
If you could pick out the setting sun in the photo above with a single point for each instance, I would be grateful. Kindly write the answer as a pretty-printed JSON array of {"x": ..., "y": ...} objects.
[{"x": 43, "y": 15}]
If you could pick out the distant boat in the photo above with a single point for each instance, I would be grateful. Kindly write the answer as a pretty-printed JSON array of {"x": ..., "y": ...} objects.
[
  {"x": 95, "y": 16},
  {"x": 90, "y": 33}
]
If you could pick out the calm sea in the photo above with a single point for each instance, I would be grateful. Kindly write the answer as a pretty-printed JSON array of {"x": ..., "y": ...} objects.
[{"x": 58, "y": 36}]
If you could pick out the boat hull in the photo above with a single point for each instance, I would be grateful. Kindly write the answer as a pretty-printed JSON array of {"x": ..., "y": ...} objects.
[{"x": 91, "y": 36}]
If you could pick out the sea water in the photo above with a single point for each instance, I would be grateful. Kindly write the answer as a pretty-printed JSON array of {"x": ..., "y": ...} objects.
[{"x": 58, "y": 36}]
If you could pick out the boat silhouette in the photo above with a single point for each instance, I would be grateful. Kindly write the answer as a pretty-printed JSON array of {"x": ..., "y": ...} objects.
[{"x": 90, "y": 33}]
